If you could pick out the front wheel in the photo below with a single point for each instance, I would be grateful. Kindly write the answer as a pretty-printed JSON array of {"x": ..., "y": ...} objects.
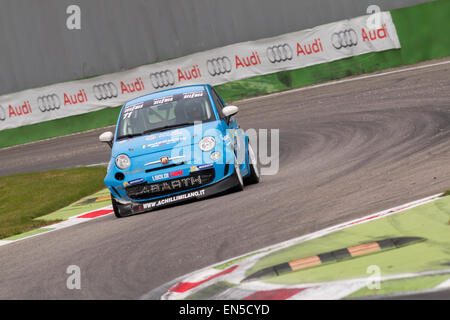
[
  {"x": 120, "y": 210},
  {"x": 254, "y": 176},
  {"x": 238, "y": 177}
]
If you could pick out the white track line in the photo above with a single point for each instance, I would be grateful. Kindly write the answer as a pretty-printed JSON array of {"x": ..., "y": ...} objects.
[
  {"x": 443, "y": 285},
  {"x": 96, "y": 164}
]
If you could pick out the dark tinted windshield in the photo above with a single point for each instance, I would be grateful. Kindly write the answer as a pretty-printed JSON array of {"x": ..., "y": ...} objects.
[{"x": 164, "y": 113}]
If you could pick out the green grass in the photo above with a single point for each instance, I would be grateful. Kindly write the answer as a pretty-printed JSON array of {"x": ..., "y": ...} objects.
[
  {"x": 24, "y": 197},
  {"x": 401, "y": 285},
  {"x": 85, "y": 204},
  {"x": 446, "y": 193}
]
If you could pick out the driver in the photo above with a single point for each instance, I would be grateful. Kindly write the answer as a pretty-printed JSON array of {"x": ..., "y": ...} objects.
[{"x": 195, "y": 112}]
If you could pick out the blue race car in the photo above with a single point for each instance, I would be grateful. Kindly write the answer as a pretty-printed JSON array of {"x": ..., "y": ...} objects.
[{"x": 176, "y": 145}]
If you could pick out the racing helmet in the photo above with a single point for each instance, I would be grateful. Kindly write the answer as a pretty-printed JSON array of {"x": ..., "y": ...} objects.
[{"x": 194, "y": 110}]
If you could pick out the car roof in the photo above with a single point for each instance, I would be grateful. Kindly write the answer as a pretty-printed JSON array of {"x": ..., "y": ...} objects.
[{"x": 163, "y": 93}]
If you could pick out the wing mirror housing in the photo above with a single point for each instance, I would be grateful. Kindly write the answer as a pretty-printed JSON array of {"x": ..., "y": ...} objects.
[
  {"x": 107, "y": 137},
  {"x": 229, "y": 111}
]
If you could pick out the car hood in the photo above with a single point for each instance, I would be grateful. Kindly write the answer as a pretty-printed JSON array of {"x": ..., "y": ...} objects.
[{"x": 165, "y": 140}]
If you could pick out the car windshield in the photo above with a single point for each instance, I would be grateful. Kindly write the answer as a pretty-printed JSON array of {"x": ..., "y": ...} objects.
[{"x": 164, "y": 113}]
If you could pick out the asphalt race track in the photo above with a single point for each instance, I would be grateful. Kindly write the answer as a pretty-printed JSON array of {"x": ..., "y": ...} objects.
[{"x": 346, "y": 150}]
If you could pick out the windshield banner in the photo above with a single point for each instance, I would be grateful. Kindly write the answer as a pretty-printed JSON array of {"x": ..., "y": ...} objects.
[{"x": 290, "y": 51}]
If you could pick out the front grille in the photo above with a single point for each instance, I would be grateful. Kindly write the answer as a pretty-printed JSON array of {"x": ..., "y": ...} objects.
[
  {"x": 152, "y": 190},
  {"x": 165, "y": 167}
]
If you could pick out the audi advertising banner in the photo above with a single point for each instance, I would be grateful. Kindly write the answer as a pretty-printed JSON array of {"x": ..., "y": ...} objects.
[{"x": 295, "y": 50}]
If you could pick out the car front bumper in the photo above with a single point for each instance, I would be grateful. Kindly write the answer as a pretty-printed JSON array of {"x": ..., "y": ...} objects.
[{"x": 200, "y": 193}]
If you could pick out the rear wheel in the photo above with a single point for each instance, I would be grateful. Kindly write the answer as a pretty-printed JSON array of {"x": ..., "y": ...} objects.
[{"x": 254, "y": 176}]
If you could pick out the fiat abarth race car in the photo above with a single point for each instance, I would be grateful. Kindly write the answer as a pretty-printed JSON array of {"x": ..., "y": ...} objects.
[{"x": 176, "y": 145}]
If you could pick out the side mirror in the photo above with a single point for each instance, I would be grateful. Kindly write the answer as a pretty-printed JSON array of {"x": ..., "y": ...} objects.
[
  {"x": 229, "y": 111},
  {"x": 107, "y": 137}
]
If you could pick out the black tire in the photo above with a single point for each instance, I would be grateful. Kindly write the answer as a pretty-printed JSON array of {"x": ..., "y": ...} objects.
[
  {"x": 238, "y": 176},
  {"x": 120, "y": 210},
  {"x": 254, "y": 176}
]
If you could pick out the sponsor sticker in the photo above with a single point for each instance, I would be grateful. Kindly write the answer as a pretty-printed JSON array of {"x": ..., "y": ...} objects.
[
  {"x": 161, "y": 143},
  {"x": 132, "y": 182},
  {"x": 133, "y": 107},
  {"x": 169, "y": 133},
  {"x": 180, "y": 197},
  {"x": 192, "y": 95},
  {"x": 167, "y": 175},
  {"x": 176, "y": 173},
  {"x": 160, "y": 176},
  {"x": 128, "y": 111},
  {"x": 162, "y": 100},
  {"x": 201, "y": 167}
]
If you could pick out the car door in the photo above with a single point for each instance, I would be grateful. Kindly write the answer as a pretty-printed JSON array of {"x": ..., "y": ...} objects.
[{"x": 238, "y": 135}]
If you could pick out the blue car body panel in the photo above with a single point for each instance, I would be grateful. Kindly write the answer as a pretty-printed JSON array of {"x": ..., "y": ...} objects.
[{"x": 146, "y": 149}]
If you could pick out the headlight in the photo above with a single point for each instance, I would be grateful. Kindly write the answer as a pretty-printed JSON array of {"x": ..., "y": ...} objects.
[
  {"x": 123, "y": 161},
  {"x": 207, "y": 144},
  {"x": 215, "y": 156}
]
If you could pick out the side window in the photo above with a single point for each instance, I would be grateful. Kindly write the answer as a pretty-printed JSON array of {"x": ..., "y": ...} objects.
[{"x": 217, "y": 102}]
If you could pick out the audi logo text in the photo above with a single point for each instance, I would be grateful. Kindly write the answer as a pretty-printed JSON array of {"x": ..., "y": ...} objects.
[
  {"x": 344, "y": 39},
  {"x": 49, "y": 102},
  {"x": 162, "y": 79},
  {"x": 218, "y": 66},
  {"x": 105, "y": 91},
  {"x": 279, "y": 53}
]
